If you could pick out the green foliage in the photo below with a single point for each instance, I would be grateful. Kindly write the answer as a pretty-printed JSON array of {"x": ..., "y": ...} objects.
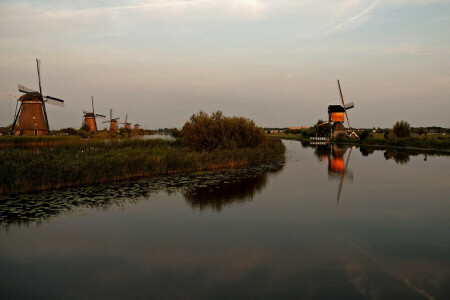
[
  {"x": 390, "y": 135},
  {"x": 77, "y": 162},
  {"x": 175, "y": 133},
  {"x": 402, "y": 129},
  {"x": 365, "y": 134},
  {"x": 207, "y": 133},
  {"x": 421, "y": 131}
]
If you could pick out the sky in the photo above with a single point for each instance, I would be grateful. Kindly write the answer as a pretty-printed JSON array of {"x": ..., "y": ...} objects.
[{"x": 273, "y": 61}]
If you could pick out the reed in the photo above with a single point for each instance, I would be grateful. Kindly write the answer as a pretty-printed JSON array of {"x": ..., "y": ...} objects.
[{"x": 73, "y": 162}]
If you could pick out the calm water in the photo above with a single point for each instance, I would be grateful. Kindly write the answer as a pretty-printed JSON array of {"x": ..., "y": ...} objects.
[{"x": 327, "y": 224}]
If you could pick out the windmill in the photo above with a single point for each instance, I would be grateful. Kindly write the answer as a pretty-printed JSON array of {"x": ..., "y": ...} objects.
[
  {"x": 31, "y": 117},
  {"x": 126, "y": 124},
  {"x": 137, "y": 126},
  {"x": 112, "y": 122},
  {"x": 89, "y": 118},
  {"x": 337, "y": 114}
]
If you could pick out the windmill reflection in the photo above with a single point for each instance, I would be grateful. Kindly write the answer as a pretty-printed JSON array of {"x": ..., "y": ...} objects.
[
  {"x": 239, "y": 187},
  {"x": 337, "y": 163}
]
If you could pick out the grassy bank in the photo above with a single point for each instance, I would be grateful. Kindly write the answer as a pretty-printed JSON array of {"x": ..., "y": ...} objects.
[
  {"x": 428, "y": 142},
  {"x": 68, "y": 162},
  {"x": 286, "y": 136}
]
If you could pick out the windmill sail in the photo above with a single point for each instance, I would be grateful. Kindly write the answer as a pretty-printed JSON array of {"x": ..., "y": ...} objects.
[
  {"x": 54, "y": 101},
  {"x": 26, "y": 90},
  {"x": 349, "y": 105},
  {"x": 343, "y": 104}
]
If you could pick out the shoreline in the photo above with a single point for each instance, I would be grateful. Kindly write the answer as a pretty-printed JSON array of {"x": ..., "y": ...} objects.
[
  {"x": 297, "y": 137},
  {"x": 25, "y": 170}
]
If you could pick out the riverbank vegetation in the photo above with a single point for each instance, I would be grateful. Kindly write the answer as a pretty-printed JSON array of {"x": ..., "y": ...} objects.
[
  {"x": 401, "y": 135},
  {"x": 56, "y": 162}
]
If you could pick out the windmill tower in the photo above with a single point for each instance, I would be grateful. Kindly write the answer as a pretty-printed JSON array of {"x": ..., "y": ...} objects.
[
  {"x": 137, "y": 126},
  {"x": 337, "y": 115},
  {"x": 31, "y": 118},
  {"x": 112, "y": 122},
  {"x": 89, "y": 118},
  {"x": 126, "y": 124}
]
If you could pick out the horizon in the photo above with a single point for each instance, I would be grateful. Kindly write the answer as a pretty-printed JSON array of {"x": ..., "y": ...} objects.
[{"x": 275, "y": 62}]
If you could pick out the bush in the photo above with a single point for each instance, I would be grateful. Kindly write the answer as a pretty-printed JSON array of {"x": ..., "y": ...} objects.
[
  {"x": 390, "y": 135},
  {"x": 402, "y": 129},
  {"x": 204, "y": 132},
  {"x": 364, "y": 135}
]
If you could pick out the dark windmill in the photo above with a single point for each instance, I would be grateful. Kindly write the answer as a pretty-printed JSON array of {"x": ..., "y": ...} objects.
[
  {"x": 90, "y": 118},
  {"x": 137, "y": 126},
  {"x": 31, "y": 117},
  {"x": 126, "y": 124},
  {"x": 112, "y": 122},
  {"x": 337, "y": 115}
]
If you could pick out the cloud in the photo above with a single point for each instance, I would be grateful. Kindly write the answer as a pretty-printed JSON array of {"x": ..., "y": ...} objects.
[{"x": 356, "y": 17}]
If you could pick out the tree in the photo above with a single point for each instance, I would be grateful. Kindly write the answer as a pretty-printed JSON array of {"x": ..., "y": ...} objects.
[
  {"x": 364, "y": 135},
  {"x": 402, "y": 129},
  {"x": 390, "y": 135},
  {"x": 204, "y": 132}
]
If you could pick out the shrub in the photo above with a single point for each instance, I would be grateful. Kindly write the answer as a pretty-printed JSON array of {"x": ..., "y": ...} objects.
[
  {"x": 204, "y": 132},
  {"x": 402, "y": 129},
  {"x": 390, "y": 135},
  {"x": 364, "y": 135}
]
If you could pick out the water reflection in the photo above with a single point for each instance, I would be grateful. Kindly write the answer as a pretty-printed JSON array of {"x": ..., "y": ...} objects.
[
  {"x": 202, "y": 190},
  {"x": 402, "y": 156},
  {"x": 230, "y": 188},
  {"x": 337, "y": 162}
]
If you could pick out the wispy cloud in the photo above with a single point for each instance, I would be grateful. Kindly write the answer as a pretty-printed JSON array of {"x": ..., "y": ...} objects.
[{"x": 356, "y": 17}]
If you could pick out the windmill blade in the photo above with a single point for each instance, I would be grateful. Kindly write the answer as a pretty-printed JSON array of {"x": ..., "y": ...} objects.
[
  {"x": 349, "y": 105},
  {"x": 110, "y": 113},
  {"x": 106, "y": 121},
  {"x": 54, "y": 101},
  {"x": 26, "y": 90},
  {"x": 100, "y": 116},
  {"x": 343, "y": 104},
  {"x": 93, "y": 111},
  {"x": 117, "y": 119},
  {"x": 38, "y": 66},
  {"x": 126, "y": 118}
]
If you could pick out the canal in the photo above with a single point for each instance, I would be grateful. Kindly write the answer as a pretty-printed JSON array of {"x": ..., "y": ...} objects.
[{"x": 328, "y": 223}]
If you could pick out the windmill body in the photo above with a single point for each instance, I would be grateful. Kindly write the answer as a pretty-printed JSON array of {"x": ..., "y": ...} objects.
[
  {"x": 89, "y": 118},
  {"x": 113, "y": 126},
  {"x": 89, "y": 122},
  {"x": 31, "y": 117},
  {"x": 137, "y": 126},
  {"x": 126, "y": 124},
  {"x": 113, "y": 123}
]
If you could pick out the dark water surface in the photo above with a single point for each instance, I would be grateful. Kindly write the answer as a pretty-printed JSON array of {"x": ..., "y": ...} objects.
[{"x": 327, "y": 224}]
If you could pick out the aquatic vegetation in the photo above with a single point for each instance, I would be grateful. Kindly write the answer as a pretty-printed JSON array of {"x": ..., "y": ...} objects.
[
  {"x": 24, "y": 169},
  {"x": 208, "y": 189}
]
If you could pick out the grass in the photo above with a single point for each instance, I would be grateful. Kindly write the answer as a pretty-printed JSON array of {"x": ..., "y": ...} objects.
[
  {"x": 64, "y": 161},
  {"x": 286, "y": 136},
  {"x": 428, "y": 142}
]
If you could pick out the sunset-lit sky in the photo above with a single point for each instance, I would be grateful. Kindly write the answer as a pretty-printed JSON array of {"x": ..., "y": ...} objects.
[{"x": 274, "y": 61}]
